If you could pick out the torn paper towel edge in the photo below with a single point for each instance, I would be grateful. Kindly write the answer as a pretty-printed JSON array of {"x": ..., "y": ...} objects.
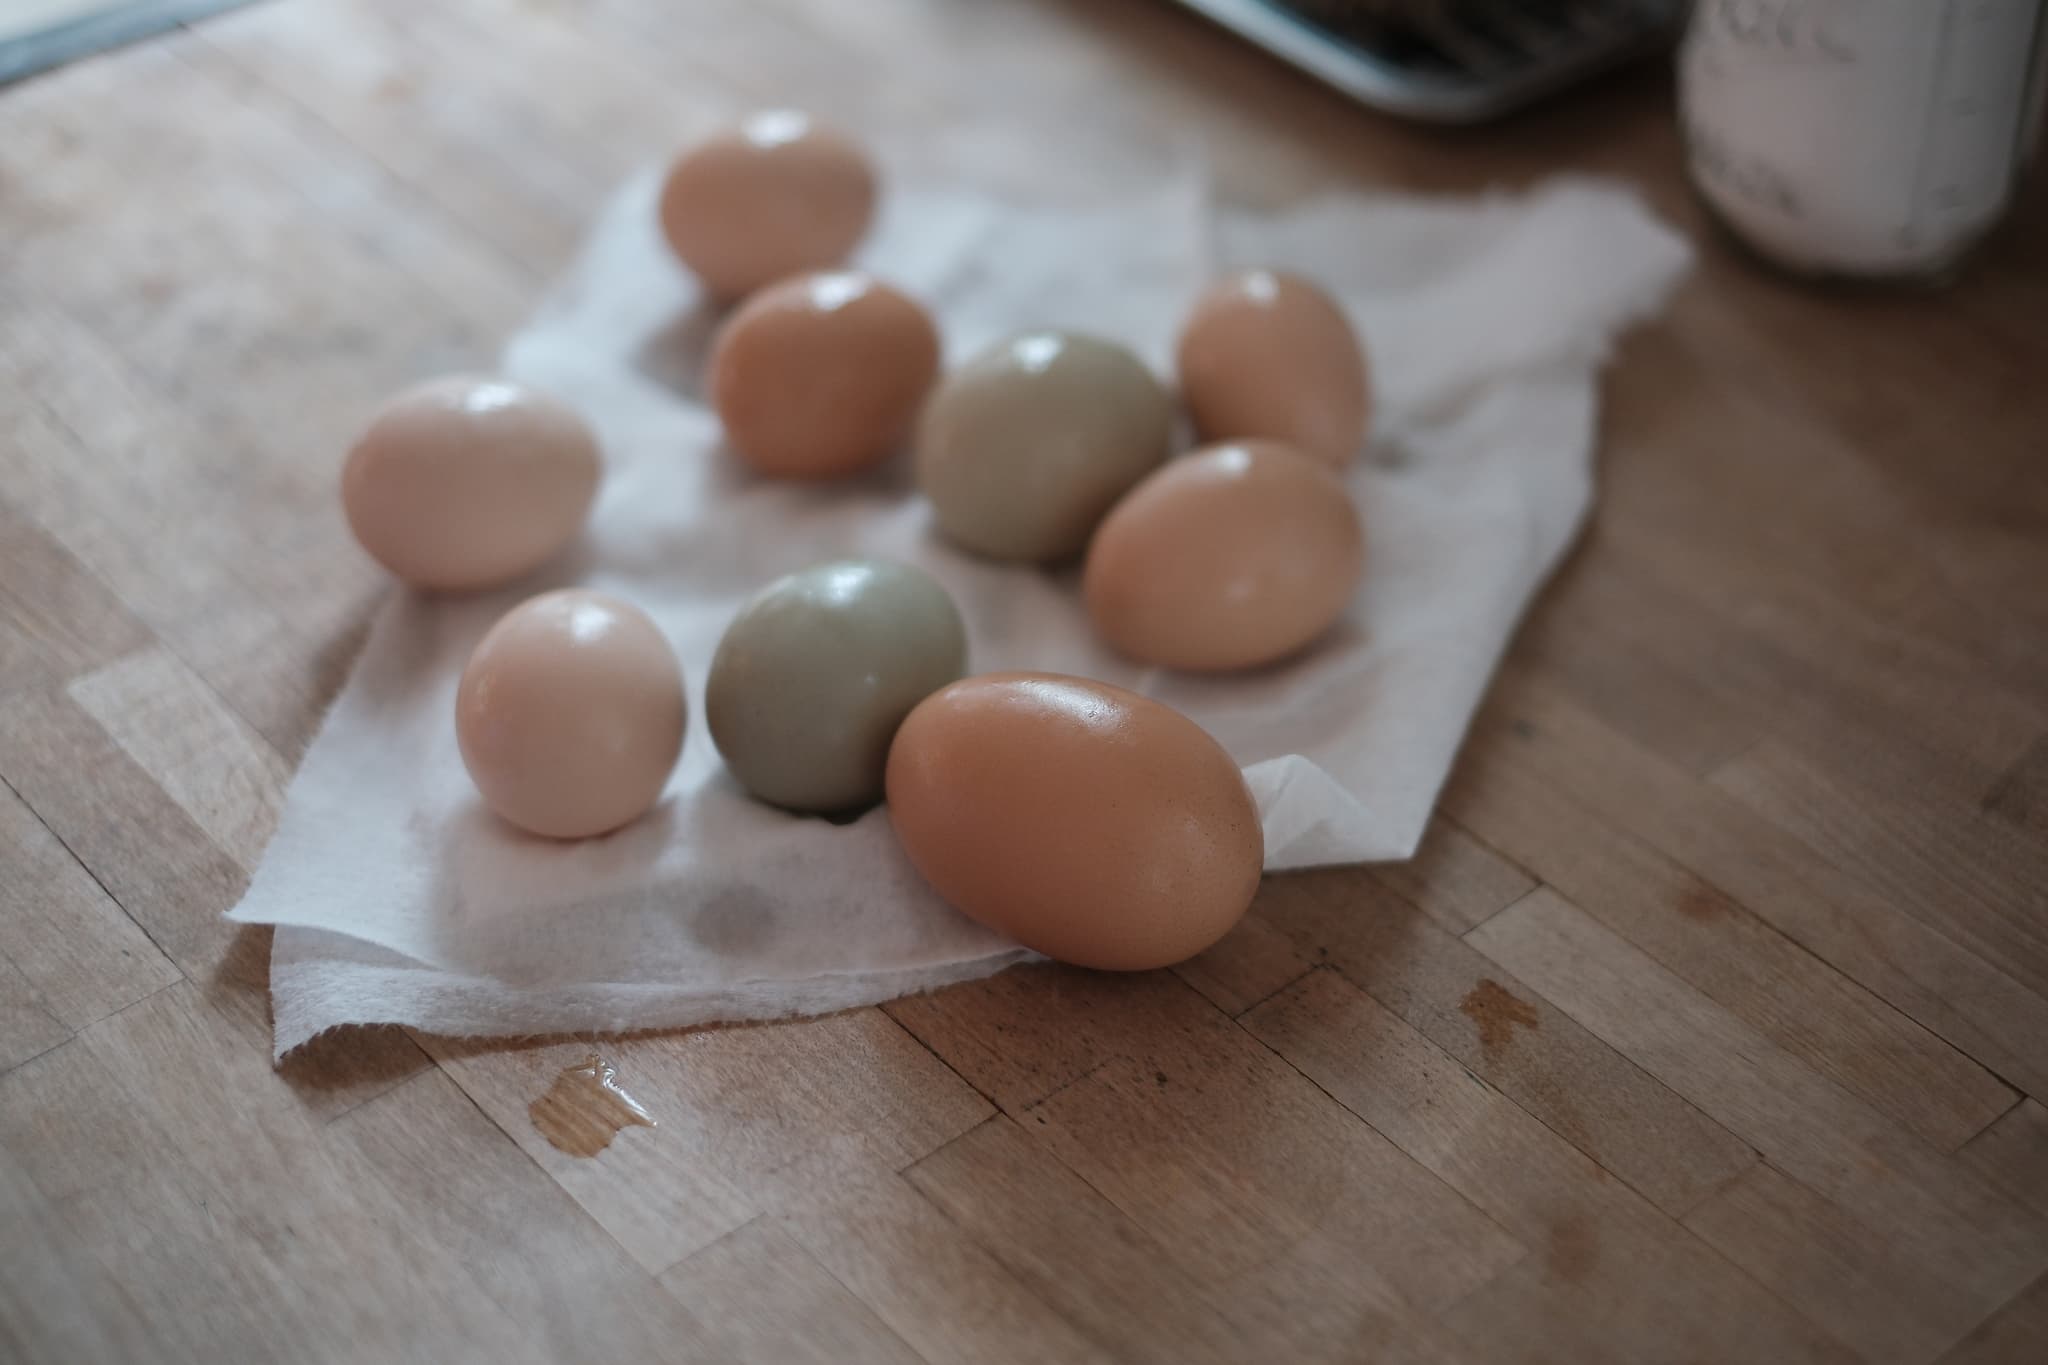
[{"x": 313, "y": 985}]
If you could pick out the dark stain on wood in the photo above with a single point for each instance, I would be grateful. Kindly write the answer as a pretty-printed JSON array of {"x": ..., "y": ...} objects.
[
  {"x": 1496, "y": 1011},
  {"x": 2020, "y": 794},
  {"x": 1574, "y": 1248},
  {"x": 1702, "y": 902},
  {"x": 585, "y": 1108}
]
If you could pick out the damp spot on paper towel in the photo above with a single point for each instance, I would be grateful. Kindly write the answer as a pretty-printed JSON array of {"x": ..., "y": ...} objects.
[
  {"x": 735, "y": 922},
  {"x": 1496, "y": 1012},
  {"x": 585, "y": 1108}
]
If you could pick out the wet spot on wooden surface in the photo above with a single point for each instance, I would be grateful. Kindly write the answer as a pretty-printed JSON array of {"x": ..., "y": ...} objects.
[
  {"x": 585, "y": 1108},
  {"x": 1496, "y": 1012}
]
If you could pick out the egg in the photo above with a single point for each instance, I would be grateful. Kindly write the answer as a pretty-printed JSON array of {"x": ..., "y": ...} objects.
[
  {"x": 819, "y": 376},
  {"x": 1268, "y": 354},
  {"x": 775, "y": 196},
  {"x": 1230, "y": 557},
  {"x": 469, "y": 482},
  {"x": 570, "y": 714},
  {"x": 1023, "y": 449},
  {"x": 813, "y": 676},
  {"x": 1084, "y": 821}
]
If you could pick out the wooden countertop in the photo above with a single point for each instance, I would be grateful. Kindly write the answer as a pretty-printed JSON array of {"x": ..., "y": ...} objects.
[{"x": 1711, "y": 1024}]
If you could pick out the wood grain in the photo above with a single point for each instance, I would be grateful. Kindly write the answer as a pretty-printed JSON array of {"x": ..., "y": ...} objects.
[
  {"x": 1607, "y": 1274},
  {"x": 1710, "y": 1021}
]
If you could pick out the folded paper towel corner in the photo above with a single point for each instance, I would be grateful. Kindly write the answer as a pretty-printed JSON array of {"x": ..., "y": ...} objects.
[{"x": 399, "y": 900}]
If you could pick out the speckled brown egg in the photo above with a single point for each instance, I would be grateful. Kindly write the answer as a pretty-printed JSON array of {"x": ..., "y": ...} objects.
[
  {"x": 1268, "y": 354},
  {"x": 1231, "y": 557},
  {"x": 1084, "y": 821},
  {"x": 777, "y": 195},
  {"x": 469, "y": 482},
  {"x": 1024, "y": 448},
  {"x": 819, "y": 376},
  {"x": 570, "y": 714}
]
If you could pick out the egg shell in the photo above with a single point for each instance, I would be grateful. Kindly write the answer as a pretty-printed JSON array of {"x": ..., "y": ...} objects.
[
  {"x": 1023, "y": 449},
  {"x": 468, "y": 482},
  {"x": 775, "y": 196},
  {"x": 1268, "y": 354},
  {"x": 819, "y": 376},
  {"x": 813, "y": 676},
  {"x": 570, "y": 714},
  {"x": 1082, "y": 820},
  {"x": 1230, "y": 557}
]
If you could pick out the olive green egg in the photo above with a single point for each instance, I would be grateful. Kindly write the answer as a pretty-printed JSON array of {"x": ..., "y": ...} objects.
[
  {"x": 813, "y": 676},
  {"x": 1026, "y": 447}
]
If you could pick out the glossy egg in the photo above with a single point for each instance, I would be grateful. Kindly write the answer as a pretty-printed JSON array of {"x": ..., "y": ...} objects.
[
  {"x": 1084, "y": 821},
  {"x": 1231, "y": 557},
  {"x": 1268, "y": 354},
  {"x": 570, "y": 714},
  {"x": 1023, "y": 449},
  {"x": 777, "y": 195},
  {"x": 469, "y": 482},
  {"x": 819, "y": 376},
  {"x": 816, "y": 672}
]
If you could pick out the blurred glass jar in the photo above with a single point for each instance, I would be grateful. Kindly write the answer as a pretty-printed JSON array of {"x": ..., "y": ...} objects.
[{"x": 1869, "y": 138}]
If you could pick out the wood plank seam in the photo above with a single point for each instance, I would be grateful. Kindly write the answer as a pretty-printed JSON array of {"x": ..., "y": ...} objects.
[
  {"x": 107, "y": 891},
  {"x": 1115, "y": 1060},
  {"x": 1943, "y": 927},
  {"x": 1477, "y": 1079},
  {"x": 1133, "y": 1228},
  {"x": 1702, "y": 1197},
  {"x": 1291, "y": 982},
  {"x": 339, "y": 137},
  {"x": 1535, "y": 881},
  {"x": 1740, "y": 974},
  {"x": 83, "y": 448}
]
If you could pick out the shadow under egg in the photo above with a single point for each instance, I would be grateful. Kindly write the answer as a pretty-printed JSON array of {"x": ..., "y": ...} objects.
[{"x": 678, "y": 356}]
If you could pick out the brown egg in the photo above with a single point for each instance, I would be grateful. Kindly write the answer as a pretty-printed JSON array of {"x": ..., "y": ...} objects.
[
  {"x": 1268, "y": 354},
  {"x": 570, "y": 714},
  {"x": 819, "y": 376},
  {"x": 777, "y": 195},
  {"x": 1024, "y": 448},
  {"x": 1231, "y": 557},
  {"x": 469, "y": 482},
  {"x": 1087, "y": 822}
]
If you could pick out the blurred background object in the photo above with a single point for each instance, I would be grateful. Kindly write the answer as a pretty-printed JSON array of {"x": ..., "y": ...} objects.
[
  {"x": 1879, "y": 140},
  {"x": 1451, "y": 61},
  {"x": 38, "y": 34}
]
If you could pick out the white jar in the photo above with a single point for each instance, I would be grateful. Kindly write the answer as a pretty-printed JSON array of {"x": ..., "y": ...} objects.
[{"x": 1861, "y": 137}]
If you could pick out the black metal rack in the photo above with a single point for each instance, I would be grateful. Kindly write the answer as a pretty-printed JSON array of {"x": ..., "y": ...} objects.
[{"x": 1451, "y": 61}]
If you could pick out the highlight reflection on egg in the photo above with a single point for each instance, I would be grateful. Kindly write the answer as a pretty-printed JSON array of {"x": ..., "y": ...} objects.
[
  {"x": 813, "y": 676},
  {"x": 1085, "y": 821},
  {"x": 469, "y": 482},
  {"x": 1234, "y": 556},
  {"x": 570, "y": 714},
  {"x": 1266, "y": 354},
  {"x": 777, "y": 195},
  {"x": 819, "y": 376},
  {"x": 1023, "y": 449}
]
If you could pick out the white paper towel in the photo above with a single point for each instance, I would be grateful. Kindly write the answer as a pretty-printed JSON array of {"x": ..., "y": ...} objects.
[{"x": 400, "y": 899}]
